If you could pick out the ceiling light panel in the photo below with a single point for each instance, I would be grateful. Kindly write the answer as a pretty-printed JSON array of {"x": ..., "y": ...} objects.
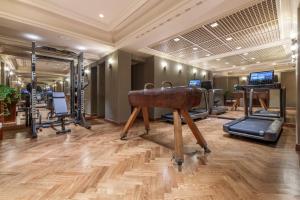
[
  {"x": 171, "y": 46},
  {"x": 269, "y": 54},
  {"x": 198, "y": 36},
  {"x": 190, "y": 53},
  {"x": 211, "y": 44},
  {"x": 252, "y": 16},
  {"x": 231, "y": 60},
  {"x": 219, "y": 49},
  {"x": 252, "y": 26}
]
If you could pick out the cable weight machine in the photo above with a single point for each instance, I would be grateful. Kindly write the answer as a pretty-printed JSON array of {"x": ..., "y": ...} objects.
[{"x": 77, "y": 86}]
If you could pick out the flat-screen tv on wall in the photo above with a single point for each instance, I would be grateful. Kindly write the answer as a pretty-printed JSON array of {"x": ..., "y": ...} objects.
[
  {"x": 265, "y": 77},
  {"x": 195, "y": 83}
]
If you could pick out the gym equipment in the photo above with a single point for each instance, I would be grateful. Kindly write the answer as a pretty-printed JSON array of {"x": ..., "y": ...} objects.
[
  {"x": 60, "y": 110},
  {"x": 257, "y": 127},
  {"x": 196, "y": 112},
  {"x": 77, "y": 84},
  {"x": 180, "y": 100},
  {"x": 266, "y": 77},
  {"x": 215, "y": 99}
]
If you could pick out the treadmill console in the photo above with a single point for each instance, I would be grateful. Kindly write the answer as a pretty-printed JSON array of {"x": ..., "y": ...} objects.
[{"x": 262, "y": 78}]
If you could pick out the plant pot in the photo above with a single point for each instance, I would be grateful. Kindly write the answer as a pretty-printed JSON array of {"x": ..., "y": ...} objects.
[{"x": 12, "y": 110}]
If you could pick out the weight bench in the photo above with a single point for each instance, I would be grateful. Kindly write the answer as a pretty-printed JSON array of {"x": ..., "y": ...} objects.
[{"x": 60, "y": 110}]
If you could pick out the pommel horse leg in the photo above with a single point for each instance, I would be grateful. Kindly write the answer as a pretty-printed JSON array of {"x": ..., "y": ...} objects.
[
  {"x": 132, "y": 118},
  {"x": 200, "y": 139},
  {"x": 130, "y": 121},
  {"x": 178, "y": 141},
  {"x": 146, "y": 118}
]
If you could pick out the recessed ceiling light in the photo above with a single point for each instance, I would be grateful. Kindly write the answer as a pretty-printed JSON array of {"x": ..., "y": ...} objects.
[
  {"x": 214, "y": 24},
  {"x": 195, "y": 48},
  {"x": 207, "y": 55},
  {"x": 243, "y": 68},
  {"x": 238, "y": 47},
  {"x": 229, "y": 38},
  {"x": 176, "y": 39},
  {"x": 257, "y": 62},
  {"x": 32, "y": 36},
  {"x": 245, "y": 54},
  {"x": 233, "y": 66},
  {"x": 273, "y": 63},
  {"x": 253, "y": 58},
  {"x": 81, "y": 48},
  {"x": 218, "y": 59},
  {"x": 227, "y": 63},
  {"x": 101, "y": 15}
]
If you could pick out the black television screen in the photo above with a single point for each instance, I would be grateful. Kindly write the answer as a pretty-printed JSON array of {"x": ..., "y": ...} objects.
[
  {"x": 207, "y": 85},
  {"x": 262, "y": 77},
  {"x": 195, "y": 83}
]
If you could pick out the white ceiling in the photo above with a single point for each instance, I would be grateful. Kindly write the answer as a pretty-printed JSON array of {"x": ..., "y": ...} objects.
[{"x": 114, "y": 11}]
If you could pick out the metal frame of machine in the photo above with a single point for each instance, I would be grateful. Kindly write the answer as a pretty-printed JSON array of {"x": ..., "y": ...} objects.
[
  {"x": 76, "y": 88},
  {"x": 264, "y": 128}
]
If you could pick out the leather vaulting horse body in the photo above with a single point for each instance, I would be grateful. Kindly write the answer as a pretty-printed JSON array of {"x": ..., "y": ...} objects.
[{"x": 180, "y": 100}]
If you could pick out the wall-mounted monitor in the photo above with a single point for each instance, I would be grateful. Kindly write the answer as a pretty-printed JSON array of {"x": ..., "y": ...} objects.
[
  {"x": 207, "y": 85},
  {"x": 195, "y": 83},
  {"x": 265, "y": 77}
]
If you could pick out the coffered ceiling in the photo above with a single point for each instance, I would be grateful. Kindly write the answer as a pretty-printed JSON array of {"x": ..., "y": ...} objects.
[{"x": 250, "y": 35}]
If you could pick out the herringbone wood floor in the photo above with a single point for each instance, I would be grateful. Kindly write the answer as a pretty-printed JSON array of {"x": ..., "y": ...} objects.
[{"x": 95, "y": 164}]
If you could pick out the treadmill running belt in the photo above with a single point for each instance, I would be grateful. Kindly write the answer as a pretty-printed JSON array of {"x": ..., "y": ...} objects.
[{"x": 252, "y": 126}]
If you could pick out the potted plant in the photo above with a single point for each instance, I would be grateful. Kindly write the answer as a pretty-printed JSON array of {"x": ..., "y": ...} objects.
[{"x": 9, "y": 98}]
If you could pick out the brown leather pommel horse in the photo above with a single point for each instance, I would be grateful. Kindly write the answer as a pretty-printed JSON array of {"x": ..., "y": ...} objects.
[{"x": 180, "y": 100}]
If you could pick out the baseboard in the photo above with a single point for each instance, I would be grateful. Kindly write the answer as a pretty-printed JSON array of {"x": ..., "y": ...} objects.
[{"x": 297, "y": 147}]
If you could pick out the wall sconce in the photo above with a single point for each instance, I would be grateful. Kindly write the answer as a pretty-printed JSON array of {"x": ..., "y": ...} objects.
[
  {"x": 194, "y": 72},
  {"x": 179, "y": 67},
  {"x": 110, "y": 62},
  {"x": 11, "y": 73},
  {"x": 204, "y": 74},
  {"x": 87, "y": 71},
  {"x": 164, "y": 65},
  {"x": 244, "y": 78},
  {"x": 6, "y": 69}
]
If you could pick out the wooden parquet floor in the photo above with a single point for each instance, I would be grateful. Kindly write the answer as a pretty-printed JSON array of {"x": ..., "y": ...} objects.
[{"x": 94, "y": 164}]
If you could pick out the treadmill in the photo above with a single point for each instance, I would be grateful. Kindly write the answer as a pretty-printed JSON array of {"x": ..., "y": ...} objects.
[
  {"x": 266, "y": 128},
  {"x": 215, "y": 99},
  {"x": 267, "y": 113},
  {"x": 195, "y": 113}
]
